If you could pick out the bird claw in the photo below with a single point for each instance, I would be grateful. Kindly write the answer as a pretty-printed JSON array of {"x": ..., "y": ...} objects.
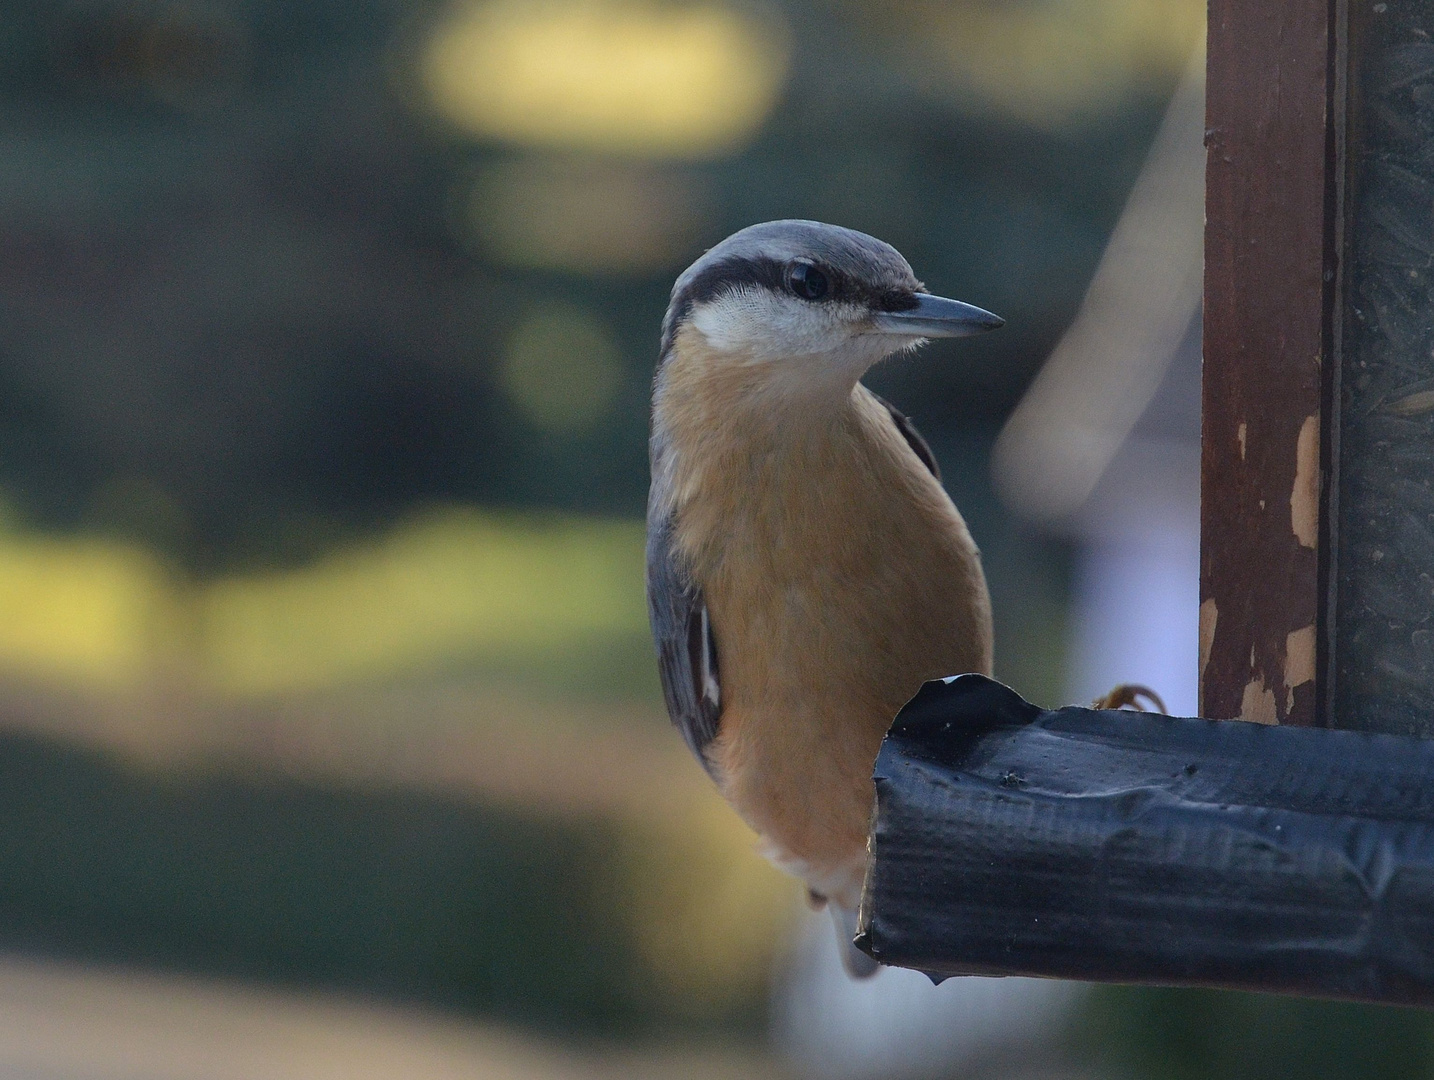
[{"x": 1129, "y": 696}]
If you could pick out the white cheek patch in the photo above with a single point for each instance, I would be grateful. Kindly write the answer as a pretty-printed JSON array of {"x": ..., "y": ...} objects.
[{"x": 763, "y": 326}]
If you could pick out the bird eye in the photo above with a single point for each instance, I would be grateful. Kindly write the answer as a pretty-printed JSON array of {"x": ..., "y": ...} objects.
[{"x": 807, "y": 281}]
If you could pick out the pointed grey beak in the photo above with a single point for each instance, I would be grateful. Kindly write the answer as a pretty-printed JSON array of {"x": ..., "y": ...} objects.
[{"x": 935, "y": 316}]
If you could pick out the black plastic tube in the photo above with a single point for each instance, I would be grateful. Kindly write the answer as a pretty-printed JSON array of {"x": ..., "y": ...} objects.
[{"x": 1140, "y": 848}]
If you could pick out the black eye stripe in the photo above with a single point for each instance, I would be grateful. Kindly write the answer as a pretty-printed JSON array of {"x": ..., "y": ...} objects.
[
  {"x": 725, "y": 275},
  {"x": 729, "y": 274},
  {"x": 897, "y": 300}
]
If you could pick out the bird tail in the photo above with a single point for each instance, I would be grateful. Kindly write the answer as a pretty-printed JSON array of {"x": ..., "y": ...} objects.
[{"x": 858, "y": 965}]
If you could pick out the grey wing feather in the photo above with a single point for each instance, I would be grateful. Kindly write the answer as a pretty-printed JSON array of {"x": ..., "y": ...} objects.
[
  {"x": 686, "y": 650},
  {"x": 911, "y": 435}
]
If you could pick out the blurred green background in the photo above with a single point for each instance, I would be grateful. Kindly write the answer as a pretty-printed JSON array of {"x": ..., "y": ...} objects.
[{"x": 326, "y": 334}]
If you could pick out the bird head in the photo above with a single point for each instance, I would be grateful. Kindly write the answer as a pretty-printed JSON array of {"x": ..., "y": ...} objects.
[{"x": 809, "y": 304}]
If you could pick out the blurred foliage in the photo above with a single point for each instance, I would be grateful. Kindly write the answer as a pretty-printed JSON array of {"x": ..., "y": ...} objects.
[
  {"x": 453, "y": 589},
  {"x": 252, "y": 265},
  {"x": 644, "y": 903},
  {"x": 584, "y": 214},
  {"x": 538, "y": 918},
  {"x": 707, "y": 932},
  {"x": 457, "y": 586},
  {"x": 287, "y": 290},
  {"x": 81, "y": 609},
  {"x": 561, "y": 369},
  {"x": 1218, "y": 1035},
  {"x": 633, "y": 76},
  {"x": 1048, "y": 63}
]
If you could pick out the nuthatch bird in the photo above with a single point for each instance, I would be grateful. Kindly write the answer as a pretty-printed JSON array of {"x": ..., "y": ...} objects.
[{"x": 806, "y": 571}]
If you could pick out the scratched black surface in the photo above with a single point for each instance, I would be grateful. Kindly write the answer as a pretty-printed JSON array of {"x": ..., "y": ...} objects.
[
  {"x": 1384, "y": 653},
  {"x": 1139, "y": 848}
]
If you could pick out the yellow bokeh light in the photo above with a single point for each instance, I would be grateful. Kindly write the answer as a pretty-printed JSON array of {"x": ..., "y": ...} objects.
[
  {"x": 559, "y": 212},
  {"x": 450, "y": 586},
  {"x": 85, "y": 610},
  {"x": 709, "y": 912},
  {"x": 562, "y": 369},
  {"x": 1047, "y": 63},
  {"x": 633, "y": 76}
]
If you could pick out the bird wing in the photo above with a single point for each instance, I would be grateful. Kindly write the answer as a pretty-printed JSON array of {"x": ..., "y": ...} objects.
[
  {"x": 911, "y": 435},
  {"x": 686, "y": 651}
]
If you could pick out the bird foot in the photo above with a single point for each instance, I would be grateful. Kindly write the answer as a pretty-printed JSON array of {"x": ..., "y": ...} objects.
[{"x": 1129, "y": 696}]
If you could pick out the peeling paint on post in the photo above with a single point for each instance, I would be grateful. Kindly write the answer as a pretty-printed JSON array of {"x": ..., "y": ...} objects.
[{"x": 1269, "y": 185}]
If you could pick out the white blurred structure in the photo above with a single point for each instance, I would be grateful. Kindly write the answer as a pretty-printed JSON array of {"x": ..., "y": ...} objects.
[
  {"x": 1105, "y": 445},
  {"x": 1135, "y": 598},
  {"x": 1103, "y": 375},
  {"x": 897, "y": 1025}
]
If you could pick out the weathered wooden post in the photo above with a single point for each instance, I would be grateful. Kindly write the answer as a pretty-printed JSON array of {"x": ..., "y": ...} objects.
[
  {"x": 1317, "y": 529},
  {"x": 1271, "y": 272}
]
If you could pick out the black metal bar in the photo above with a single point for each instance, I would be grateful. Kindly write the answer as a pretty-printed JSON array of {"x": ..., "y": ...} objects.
[{"x": 1134, "y": 847}]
